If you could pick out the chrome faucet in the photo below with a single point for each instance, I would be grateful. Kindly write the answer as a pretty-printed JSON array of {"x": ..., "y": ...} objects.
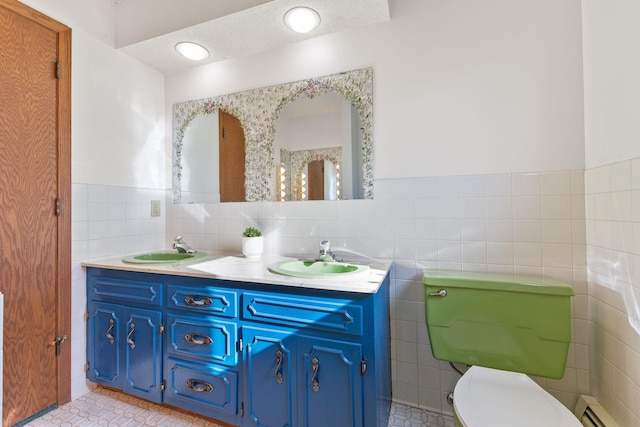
[
  {"x": 182, "y": 247},
  {"x": 325, "y": 252}
]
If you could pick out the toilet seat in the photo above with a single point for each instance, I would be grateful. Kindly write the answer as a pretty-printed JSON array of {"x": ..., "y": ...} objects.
[{"x": 486, "y": 397}]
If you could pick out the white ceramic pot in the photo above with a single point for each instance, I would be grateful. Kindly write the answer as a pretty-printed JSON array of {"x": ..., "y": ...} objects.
[{"x": 252, "y": 247}]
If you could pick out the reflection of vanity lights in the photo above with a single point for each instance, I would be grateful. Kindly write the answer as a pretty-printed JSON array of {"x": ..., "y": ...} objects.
[
  {"x": 338, "y": 182},
  {"x": 303, "y": 187},
  {"x": 301, "y": 19},
  {"x": 192, "y": 51},
  {"x": 283, "y": 186}
]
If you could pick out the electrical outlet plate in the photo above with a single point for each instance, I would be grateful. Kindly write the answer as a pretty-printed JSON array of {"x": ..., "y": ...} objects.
[{"x": 155, "y": 208}]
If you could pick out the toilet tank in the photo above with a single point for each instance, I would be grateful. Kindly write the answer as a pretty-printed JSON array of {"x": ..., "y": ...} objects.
[{"x": 511, "y": 322}]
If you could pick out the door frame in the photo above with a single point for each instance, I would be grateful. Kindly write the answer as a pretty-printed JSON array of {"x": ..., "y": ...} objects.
[{"x": 63, "y": 134}]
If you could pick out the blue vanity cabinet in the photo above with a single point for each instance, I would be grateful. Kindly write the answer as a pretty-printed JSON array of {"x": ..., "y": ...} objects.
[
  {"x": 201, "y": 354},
  {"x": 248, "y": 354},
  {"x": 124, "y": 332},
  {"x": 316, "y": 358}
]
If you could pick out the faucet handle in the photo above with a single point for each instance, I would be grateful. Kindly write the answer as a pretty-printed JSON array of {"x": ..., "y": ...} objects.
[
  {"x": 325, "y": 245},
  {"x": 178, "y": 239}
]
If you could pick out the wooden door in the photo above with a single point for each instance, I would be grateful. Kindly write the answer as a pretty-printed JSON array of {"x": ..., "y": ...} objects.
[
  {"x": 232, "y": 155},
  {"x": 316, "y": 180},
  {"x": 34, "y": 227}
]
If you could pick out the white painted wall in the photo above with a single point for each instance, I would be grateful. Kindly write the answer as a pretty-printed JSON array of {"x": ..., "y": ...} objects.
[
  {"x": 460, "y": 87},
  {"x": 117, "y": 102},
  {"x": 612, "y": 80}
]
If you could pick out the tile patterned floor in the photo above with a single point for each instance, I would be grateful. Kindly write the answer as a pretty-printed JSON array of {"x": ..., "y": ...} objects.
[{"x": 103, "y": 407}]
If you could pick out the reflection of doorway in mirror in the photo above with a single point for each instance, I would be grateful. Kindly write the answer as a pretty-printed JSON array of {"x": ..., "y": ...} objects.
[
  {"x": 316, "y": 180},
  {"x": 323, "y": 183},
  {"x": 232, "y": 156},
  {"x": 297, "y": 168}
]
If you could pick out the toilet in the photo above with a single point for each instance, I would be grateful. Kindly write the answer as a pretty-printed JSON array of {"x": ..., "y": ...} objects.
[{"x": 505, "y": 327}]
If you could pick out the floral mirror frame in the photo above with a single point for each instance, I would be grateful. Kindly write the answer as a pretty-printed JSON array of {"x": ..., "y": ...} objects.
[{"x": 258, "y": 111}]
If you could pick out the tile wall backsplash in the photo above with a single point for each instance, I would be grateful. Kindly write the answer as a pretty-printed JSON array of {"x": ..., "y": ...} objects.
[
  {"x": 106, "y": 221},
  {"x": 613, "y": 254},
  {"x": 525, "y": 223}
]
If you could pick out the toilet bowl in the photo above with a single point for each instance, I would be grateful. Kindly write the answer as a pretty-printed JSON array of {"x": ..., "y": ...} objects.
[{"x": 486, "y": 397}]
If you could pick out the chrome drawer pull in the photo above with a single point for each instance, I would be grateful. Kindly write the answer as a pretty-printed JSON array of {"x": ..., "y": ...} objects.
[
  {"x": 315, "y": 366},
  {"x": 198, "y": 339},
  {"x": 111, "y": 338},
  {"x": 278, "y": 365},
  {"x": 132, "y": 344},
  {"x": 197, "y": 301},
  {"x": 199, "y": 386},
  {"x": 440, "y": 293}
]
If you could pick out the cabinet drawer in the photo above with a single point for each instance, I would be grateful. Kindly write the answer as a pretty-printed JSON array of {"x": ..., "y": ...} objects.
[
  {"x": 202, "y": 337},
  {"x": 204, "y": 389},
  {"x": 204, "y": 299},
  {"x": 310, "y": 313},
  {"x": 124, "y": 290}
]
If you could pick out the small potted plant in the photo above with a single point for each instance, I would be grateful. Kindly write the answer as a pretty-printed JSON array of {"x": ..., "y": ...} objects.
[{"x": 252, "y": 242}]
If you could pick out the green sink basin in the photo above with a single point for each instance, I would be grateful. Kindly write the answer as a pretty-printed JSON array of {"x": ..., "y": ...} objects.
[
  {"x": 163, "y": 257},
  {"x": 316, "y": 269}
]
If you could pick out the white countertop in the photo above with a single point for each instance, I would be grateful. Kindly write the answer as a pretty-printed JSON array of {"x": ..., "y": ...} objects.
[{"x": 238, "y": 268}]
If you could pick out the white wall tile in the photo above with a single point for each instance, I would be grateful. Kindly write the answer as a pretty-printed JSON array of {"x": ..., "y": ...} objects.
[
  {"x": 556, "y": 207},
  {"x": 500, "y": 230},
  {"x": 474, "y": 207},
  {"x": 499, "y": 207},
  {"x": 425, "y": 187},
  {"x": 526, "y": 184},
  {"x": 449, "y": 207},
  {"x": 474, "y": 252},
  {"x": 557, "y": 231},
  {"x": 555, "y": 183},
  {"x": 527, "y": 254},
  {"x": 527, "y": 230},
  {"x": 621, "y": 176},
  {"x": 473, "y": 222},
  {"x": 449, "y": 186},
  {"x": 498, "y": 185},
  {"x": 635, "y": 173},
  {"x": 527, "y": 207},
  {"x": 449, "y": 229},
  {"x": 474, "y": 186},
  {"x": 577, "y": 182},
  {"x": 474, "y": 230},
  {"x": 500, "y": 253}
]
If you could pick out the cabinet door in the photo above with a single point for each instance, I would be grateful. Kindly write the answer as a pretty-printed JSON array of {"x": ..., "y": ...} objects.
[
  {"x": 329, "y": 383},
  {"x": 103, "y": 344},
  {"x": 142, "y": 350},
  {"x": 269, "y": 368}
]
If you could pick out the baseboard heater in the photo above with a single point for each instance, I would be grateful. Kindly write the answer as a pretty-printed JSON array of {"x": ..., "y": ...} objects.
[{"x": 592, "y": 414}]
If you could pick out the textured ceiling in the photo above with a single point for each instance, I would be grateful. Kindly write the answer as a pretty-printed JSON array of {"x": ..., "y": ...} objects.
[{"x": 237, "y": 28}]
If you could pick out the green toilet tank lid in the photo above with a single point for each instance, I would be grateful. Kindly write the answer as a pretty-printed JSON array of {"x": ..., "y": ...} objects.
[{"x": 498, "y": 282}]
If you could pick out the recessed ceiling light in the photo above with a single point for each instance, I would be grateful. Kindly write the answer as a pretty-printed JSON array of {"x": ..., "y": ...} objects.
[
  {"x": 301, "y": 19},
  {"x": 192, "y": 51}
]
